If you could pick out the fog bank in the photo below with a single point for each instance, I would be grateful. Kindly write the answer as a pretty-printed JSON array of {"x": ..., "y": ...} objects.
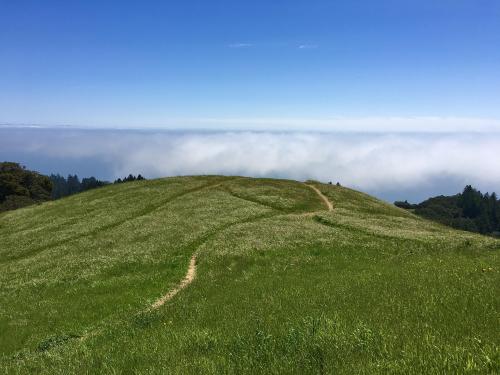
[{"x": 391, "y": 166}]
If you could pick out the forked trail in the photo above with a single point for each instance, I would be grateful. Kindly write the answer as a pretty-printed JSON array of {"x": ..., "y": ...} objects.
[{"x": 191, "y": 272}]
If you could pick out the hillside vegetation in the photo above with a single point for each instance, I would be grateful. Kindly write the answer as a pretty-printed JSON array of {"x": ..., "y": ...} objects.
[
  {"x": 282, "y": 284},
  {"x": 20, "y": 187},
  {"x": 470, "y": 210}
]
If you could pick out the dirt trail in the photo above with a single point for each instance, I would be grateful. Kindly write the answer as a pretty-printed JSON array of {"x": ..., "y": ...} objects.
[
  {"x": 191, "y": 272},
  {"x": 188, "y": 279},
  {"x": 323, "y": 197}
]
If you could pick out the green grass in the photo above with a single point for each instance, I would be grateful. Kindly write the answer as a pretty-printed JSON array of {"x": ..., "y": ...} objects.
[{"x": 366, "y": 288}]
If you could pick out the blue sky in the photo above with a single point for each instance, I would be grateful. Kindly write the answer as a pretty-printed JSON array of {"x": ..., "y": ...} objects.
[
  {"x": 251, "y": 64},
  {"x": 410, "y": 90}
]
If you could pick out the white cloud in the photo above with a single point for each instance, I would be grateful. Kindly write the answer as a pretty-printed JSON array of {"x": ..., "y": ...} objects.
[
  {"x": 370, "y": 162},
  {"x": 366, "y": 162},
  {"x": 240, "y": 45}
]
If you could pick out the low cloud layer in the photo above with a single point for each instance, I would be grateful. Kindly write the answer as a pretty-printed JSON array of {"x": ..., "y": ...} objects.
[{"x": 391, "y": 166}]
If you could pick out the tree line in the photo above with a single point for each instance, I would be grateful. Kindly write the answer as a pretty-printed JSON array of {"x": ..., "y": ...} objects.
[
  {"x": 20, "y": 187},
  {"x": 129, "y": 178},
  {"x": 62, "y": 187},
  {"x": 470, "y": 210}
]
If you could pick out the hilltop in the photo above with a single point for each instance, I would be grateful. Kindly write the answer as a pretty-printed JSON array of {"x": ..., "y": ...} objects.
[{"x": 214, "y": 274}]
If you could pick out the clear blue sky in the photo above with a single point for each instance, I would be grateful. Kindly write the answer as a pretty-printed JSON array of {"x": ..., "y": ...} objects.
[{"x": 135, "y": 63}]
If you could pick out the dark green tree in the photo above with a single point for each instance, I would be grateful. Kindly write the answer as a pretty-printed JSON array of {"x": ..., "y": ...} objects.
[
  {"x": 494, "y": 211},
  {"x": 20, "y": 187},
  {"x": 91, "y": 183},
  {"x": 470, "y": 202},
  {"x": 60, "y": 186},
  {"x": 74, "y": 185}
]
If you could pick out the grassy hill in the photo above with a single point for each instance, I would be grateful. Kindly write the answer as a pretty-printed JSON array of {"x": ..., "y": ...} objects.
[{"x": 282, "y": 284}]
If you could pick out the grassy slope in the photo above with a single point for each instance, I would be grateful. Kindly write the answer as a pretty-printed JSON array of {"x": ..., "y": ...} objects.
[{"x": 366, "y": 288}]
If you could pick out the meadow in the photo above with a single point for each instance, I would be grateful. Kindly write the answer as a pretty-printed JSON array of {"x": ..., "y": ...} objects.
[{"x": 283, "y": 285}]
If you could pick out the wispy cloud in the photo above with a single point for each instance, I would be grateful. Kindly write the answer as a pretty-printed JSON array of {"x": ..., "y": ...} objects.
[
  {"x": 248, "y": 45},
  {"x": 240, "y": 45},
  {"x": 308, "y": 46}
]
